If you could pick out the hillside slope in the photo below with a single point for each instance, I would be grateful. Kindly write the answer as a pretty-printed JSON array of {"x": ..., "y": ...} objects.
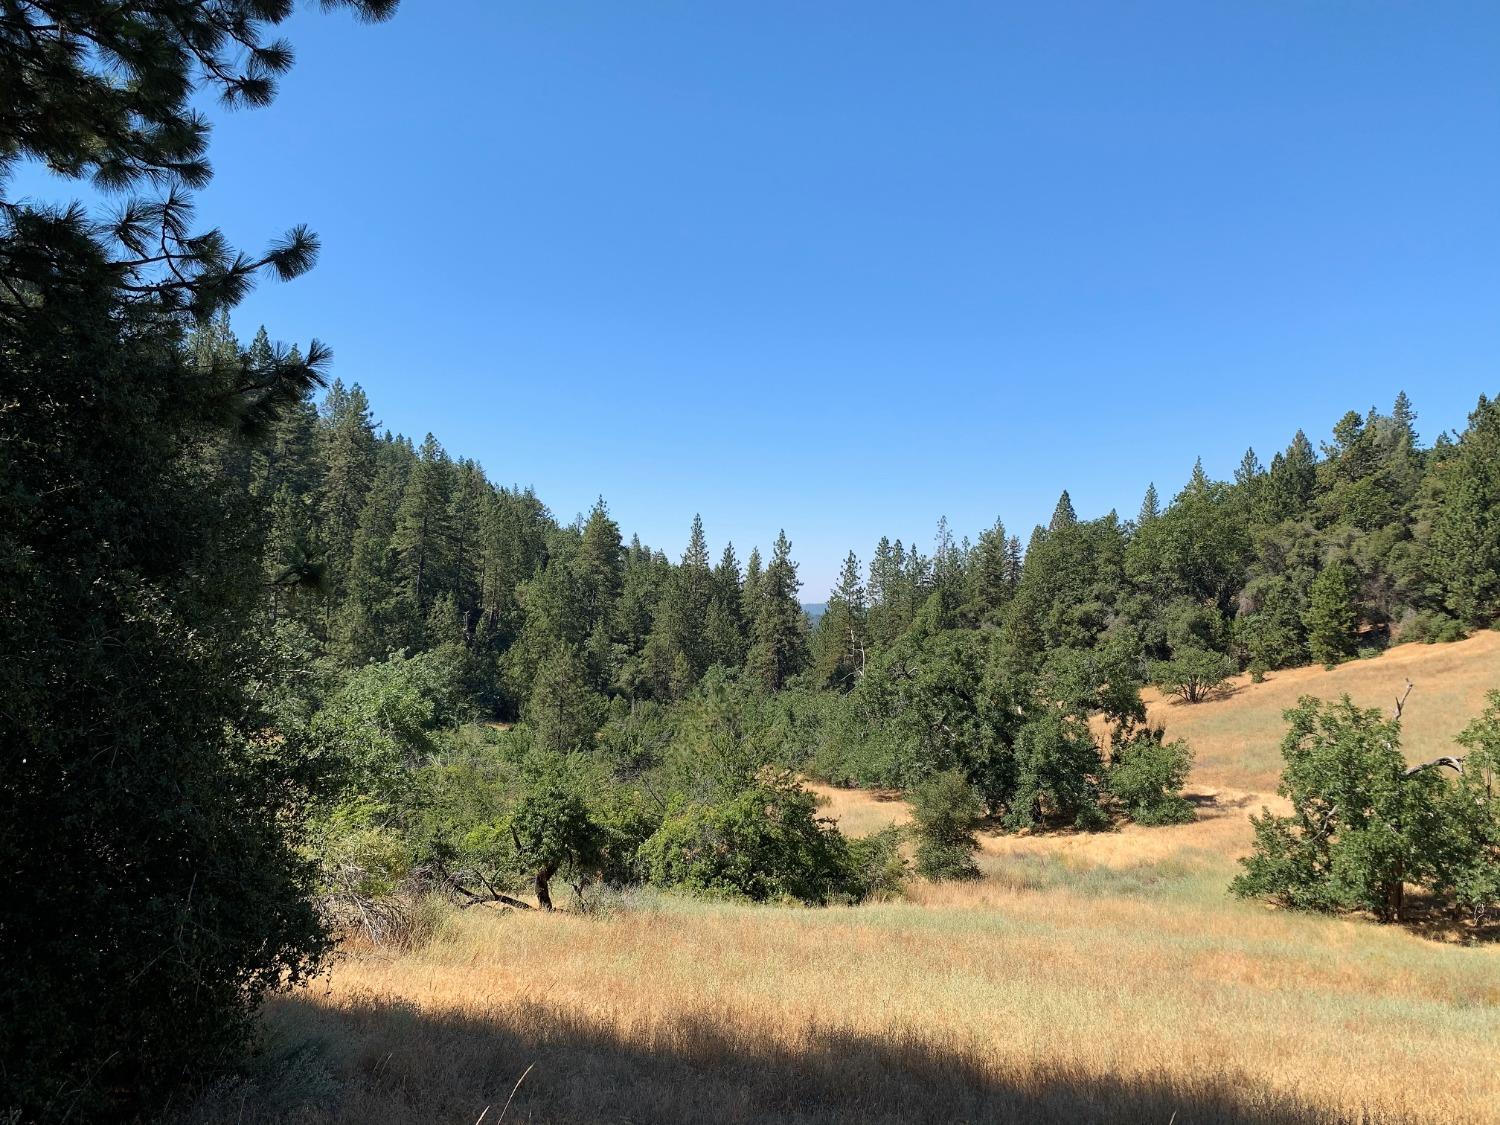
[{"x": 1236, "y": 738}]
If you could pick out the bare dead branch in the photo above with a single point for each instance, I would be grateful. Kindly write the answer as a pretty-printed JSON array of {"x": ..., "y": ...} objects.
[
  {"x": 1401, "y": 701},
  {"x": 1452, "y": 763}
]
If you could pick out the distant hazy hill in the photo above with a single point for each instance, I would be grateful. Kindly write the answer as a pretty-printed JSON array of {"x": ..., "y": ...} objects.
[{"x": 814, "y": 610}]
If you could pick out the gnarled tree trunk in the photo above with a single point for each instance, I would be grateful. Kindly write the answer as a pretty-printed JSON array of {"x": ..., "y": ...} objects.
[{"x": 543, "y": 885}]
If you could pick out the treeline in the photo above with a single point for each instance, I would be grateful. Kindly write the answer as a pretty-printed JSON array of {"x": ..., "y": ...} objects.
[
  {"x": 376, "y": 544},
  {"x": 662, "y": 703},
  {"x": 922, "y": 662}
]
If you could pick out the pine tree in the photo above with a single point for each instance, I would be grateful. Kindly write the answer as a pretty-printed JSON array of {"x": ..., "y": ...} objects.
[
  {"x": 1249, "y": 471},
  {"x": 1198, "y": 483},
  {"x": 991, "y": 577},
  {"x": 750, "y": 600},
  {"x": 841, "y": 646},
  {"x": 600, "y": 565},
  {"x": 367, "y": 620},
  {"x": 1292, "y": 481},
  {"x": 1063, "y": 515},
  {"x": 686, "y": 603},
  {"x": 154, "y": 887},
  {"x": 346, "y": 439},
  {"x": 1150, "y": 507},
  {"x": 1463, "y": 549},
  {"x": 780, "y": 648},
  {"x": 724, "y": 627},
  {"x": 1332, "y": 613},
  {"x": 467, "y": 507},
  {"x": 638, "y": 597},
  {"x": 947, "y": 561},
  {"x": 561, "y": 710},
  {"x": 421, "y": 536},
  {"x": 1405, "y": 419}
]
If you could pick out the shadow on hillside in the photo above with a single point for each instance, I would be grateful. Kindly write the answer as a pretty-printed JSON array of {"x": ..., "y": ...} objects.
[
  {"x": 378, "y": 1062},
  {"x": 1217, "y": 695}
]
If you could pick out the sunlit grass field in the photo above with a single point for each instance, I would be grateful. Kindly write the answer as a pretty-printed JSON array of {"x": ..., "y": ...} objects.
[
  {"x": 1102, "y": 977},
  {"x": 1237, "y": 738}
]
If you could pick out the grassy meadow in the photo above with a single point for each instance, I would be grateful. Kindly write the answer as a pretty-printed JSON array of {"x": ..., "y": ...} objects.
[{"x": 1103, "y": 977}]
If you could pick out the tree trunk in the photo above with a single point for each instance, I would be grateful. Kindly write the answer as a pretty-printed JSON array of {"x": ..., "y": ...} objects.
[{"x": 543, "y": 889}]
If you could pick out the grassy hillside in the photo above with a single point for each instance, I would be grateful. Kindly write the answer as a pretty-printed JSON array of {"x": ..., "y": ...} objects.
[
  {"x": 1237, "y": 737},
  {"x": 1101, "y": 977}
]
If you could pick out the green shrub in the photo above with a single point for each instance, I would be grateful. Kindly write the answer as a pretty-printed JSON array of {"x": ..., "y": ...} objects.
[
  {"x": 1147, "y": 775},
  {"x": 1361, "y": 828},
  {"x": 1428, "y": 627},
  {"x": 1057, "y": 763},
  {"x": 878, "y": 870},
  {"x": 946, "y": 809},
  {"x": 1471, "y": 826},
  {"x": 763, "y": 843}
]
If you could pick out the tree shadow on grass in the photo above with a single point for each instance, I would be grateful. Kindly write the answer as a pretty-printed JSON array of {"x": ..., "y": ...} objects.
[
  {"x": 1212, "y": 695},
  {"x": 375, "y": 1062}
]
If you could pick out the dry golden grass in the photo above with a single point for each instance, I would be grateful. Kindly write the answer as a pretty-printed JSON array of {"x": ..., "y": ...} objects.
[
  {"x": 860, "y": 812},
  {"x": 1102, "y": 977},
  {"x": 980, "y": 1002},
  {"x": 1237, "y": 739}
]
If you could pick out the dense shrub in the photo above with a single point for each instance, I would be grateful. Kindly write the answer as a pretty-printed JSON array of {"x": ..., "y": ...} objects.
[
  {"x": 1471, "y": 830},
  {"x": 878, "y": 870},
  {"x": 945, "y": 811},
  {"x": 1429, "y": 627},
  {"x": 1057, "y": 767},
  {"x": 762, "y": 843},
  {"x": 1147, "y": 774}
]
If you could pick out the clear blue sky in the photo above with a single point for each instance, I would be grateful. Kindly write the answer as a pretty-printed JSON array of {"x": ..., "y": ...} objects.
[{"x": 846, "y": 267}]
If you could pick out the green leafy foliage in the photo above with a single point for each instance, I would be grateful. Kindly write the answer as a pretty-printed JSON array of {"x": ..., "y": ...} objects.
[
  {"x": 1470, "y": 867},
  {"x": 1332, "y": 613},
  {"x": 1361, "y": 826},
  {"x": 945, "y": 812},
  {"x": 150, "y": 816},
  {"x": 763, "y": 843},
  {"x": 1146, "y": 775},
  {"x": 1193, "y": 674}
]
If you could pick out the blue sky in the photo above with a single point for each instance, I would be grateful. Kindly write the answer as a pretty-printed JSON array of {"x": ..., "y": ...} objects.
[{"x": 847, "y": 267}]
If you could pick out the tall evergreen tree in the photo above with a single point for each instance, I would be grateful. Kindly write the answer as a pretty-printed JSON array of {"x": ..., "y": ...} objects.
[
  {"x": 346, "y": 439},
  {"x": 560, "y": 710},
  {"x": 992, "y": 576},
  {"x": 754, "y": 589},
  {"x": 367, "y": 625},
  {"x": 780, "y": 648},
  {"x": 1249, "y": 470},
  {"x": 148, "y": 833},
  {"x": 1292, "y": 481},
  {"x": 1063, "y": 515},
  {"x": 1150, "y": 507},
  {"x": 468, "y": 505},
  {"x": 724, "y": 628},
  {"x": 421, "y": 536},
  {"x": 601, "y": 566},
  {"x": 1332, "y": 613},
  {"x": 1463, "y": 548},
  {"x": 842, "y": 654}
]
